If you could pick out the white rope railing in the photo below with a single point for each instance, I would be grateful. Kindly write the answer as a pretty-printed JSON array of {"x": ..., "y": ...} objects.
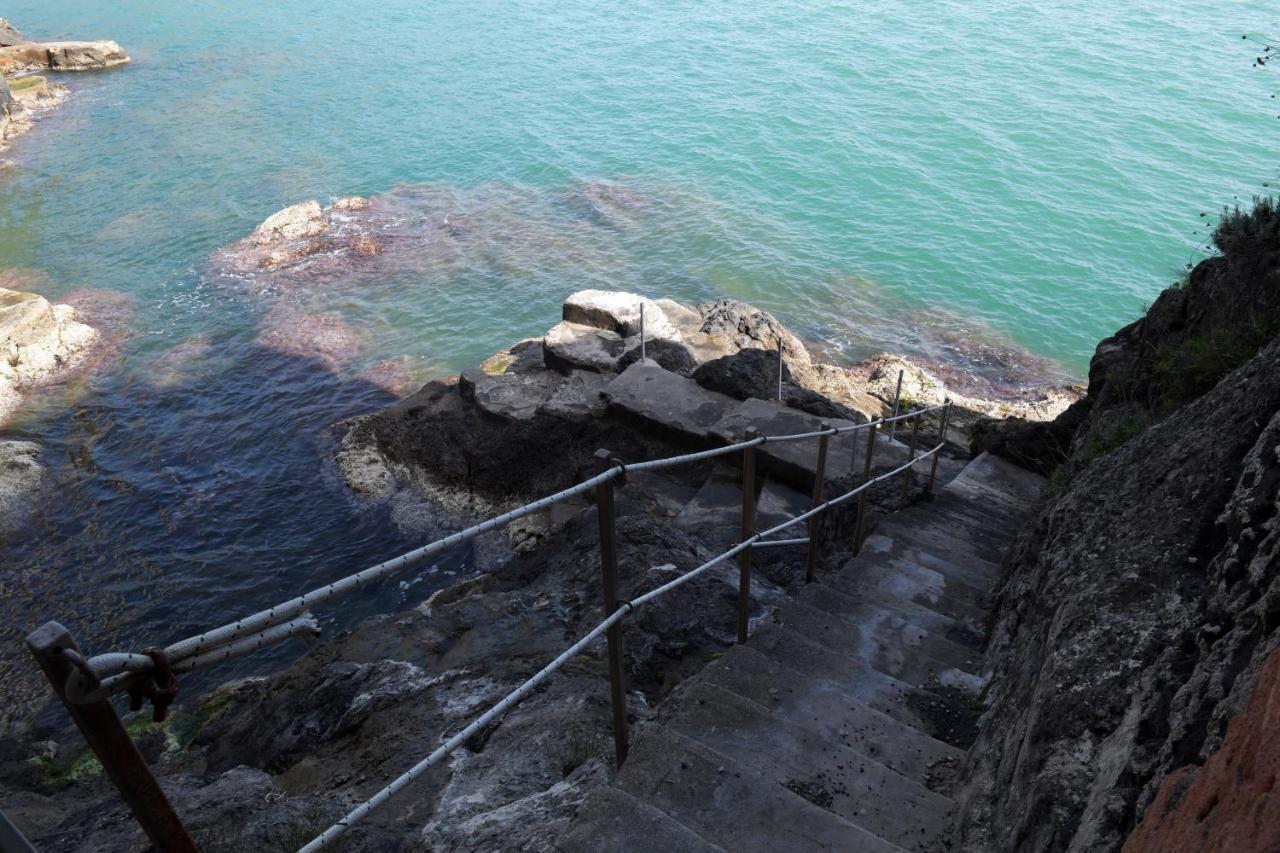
[
  {"x": 624, "y": 608},
  {"x": 115, "y": 671}
]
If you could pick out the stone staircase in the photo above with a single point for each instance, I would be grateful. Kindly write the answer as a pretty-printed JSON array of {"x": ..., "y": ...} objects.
[{"x": 838, "y": 725}]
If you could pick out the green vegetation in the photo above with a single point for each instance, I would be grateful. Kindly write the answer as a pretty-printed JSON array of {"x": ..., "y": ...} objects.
[{"x": 1248, "y": 234}]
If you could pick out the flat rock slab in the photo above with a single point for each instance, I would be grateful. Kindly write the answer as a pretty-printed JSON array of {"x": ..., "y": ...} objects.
[
  {"x": 667, "y": 401},
  {"x": 571, "y": 346}
]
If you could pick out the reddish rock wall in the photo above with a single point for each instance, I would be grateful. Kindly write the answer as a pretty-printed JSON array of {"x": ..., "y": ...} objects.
[{"x": 1231, "y": 803}]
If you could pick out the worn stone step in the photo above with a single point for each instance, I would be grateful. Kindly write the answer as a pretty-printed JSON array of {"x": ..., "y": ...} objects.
[
  {"x": 870, "y": 577},
  {"x": 914, "y": 706},
  {"x": 829, "y": 775},
  {"x": 654, "y": 493},
  {"x": 884, "y": 640},
  {"x": 613, "y": 821},
  {"x": 940, "y": 540},
  {"x": 715, "y": 511},
  {"x": 975, "y": 572},
  {"x": 865, "y": 711},
  {"x": 988, "y": 474},
  {"x": 894, "y": 617},
  {"x": 985, "y": 528},
  {"x": 728, "y": 804}
]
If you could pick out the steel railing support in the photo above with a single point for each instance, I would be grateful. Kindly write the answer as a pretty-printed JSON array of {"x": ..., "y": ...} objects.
[
  {"x": 106, "y": 736},
  {"x": 866, "y": 478},
  {"x": 897, "y": 401},
  {"x": 606, "y": 517},
  {"x": 942, "y": 439},
  {"x": 819, "y": 482},
  {"x": 748, "y": 530},
  {"x": 911, "y": 455}
]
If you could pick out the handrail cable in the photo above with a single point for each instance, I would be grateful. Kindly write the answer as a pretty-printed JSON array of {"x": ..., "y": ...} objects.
[
  {"x": 361, "y": 811},
  {"x": 115, "y": 671}
]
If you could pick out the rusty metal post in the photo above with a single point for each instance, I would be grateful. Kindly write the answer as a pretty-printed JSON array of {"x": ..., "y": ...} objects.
[
  {"x": 897, "y": 400},
  {"x": 104, "y": 733},
  {"x": 748, "y": 530},
  {"x": 780, "y": 369},
  {"x": 866, "y": 478},
  {"x": 911, "y": 455},
  {"x": 942, "y": 439},
  {"x": 819, "y": 482},
  {"x": 606, "y": 518}
]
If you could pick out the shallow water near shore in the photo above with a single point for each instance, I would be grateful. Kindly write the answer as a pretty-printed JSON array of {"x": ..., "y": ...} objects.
[{"x": 990, "y": 186}]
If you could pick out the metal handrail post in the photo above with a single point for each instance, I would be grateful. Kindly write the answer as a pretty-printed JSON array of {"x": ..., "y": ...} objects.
[
  {"x": 911, "y": 455},
  {"x": 748, "y": 530},
  {"x": 606, "y": 518},
  {"x": 897, "y": 399},
  {"x": 106, "y": 736},
  {"x": 866, "y": 478},
  {"x": 779, "y": 369},
  {"x": 942, "y": 440},
  {"x": 819, "y": 482},
  {"x": 642, "y": 352}
]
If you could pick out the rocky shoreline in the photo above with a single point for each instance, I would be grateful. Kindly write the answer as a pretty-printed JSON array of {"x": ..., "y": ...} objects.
[
  {"x": 266, "y": 759},
  {"x": 24, "y": 94}
]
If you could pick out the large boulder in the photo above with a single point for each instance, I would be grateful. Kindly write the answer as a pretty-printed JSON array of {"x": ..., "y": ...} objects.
[
  {"x": 305, "y": 219},
  {"x": 574, "y": 346},
  {"x": 618, "y": 312},
  {"x": 37, "y": 339},
  {"x": 745, "y": 326}
]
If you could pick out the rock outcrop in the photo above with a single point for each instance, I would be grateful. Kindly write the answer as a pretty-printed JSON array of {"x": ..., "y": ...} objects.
[
  {"x": 1140, "y": 604},
  {"x": 39, "y": 342},
  {"x": 1229, "y": 805},
  {"x": 61, "y": 56}
]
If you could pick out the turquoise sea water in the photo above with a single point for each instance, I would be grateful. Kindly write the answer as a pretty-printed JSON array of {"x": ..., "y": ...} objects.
[{"x": 949, "y": 179}]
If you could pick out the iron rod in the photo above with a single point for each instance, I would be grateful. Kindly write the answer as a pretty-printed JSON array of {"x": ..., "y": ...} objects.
[
  {"x": 819, "y": 482},
  {"x": 866, "y": 478},
  {"x": 911, "y": 456},
  {"x": 748, "y": 526},
  {"x": 606, "y": 518},
  {"x": 942, "y": 440},
  {"x": 897, "y": 399}
]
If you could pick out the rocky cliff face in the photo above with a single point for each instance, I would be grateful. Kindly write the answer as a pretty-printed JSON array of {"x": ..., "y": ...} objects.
[{"x": 1142, "y": 600}]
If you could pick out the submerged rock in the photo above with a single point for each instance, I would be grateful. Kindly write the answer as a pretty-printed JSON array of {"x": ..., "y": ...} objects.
[
  {"x": 322, "y": 337},
  {"x": 21, "y": 473}
]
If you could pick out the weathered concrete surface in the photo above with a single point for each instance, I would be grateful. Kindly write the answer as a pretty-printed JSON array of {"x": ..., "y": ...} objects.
[
  {"x": 1230, "y": 804},
  {"x": 839, "y": 724}
]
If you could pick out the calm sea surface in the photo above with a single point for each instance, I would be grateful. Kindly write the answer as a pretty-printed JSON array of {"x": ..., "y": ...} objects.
[{"x": 990, "y": 184}]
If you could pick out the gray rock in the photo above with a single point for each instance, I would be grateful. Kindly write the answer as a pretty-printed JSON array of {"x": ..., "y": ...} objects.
[
  {"x": 670, "y": 354},
  {"x": 62, "y": 55},
  {"x": 21, "y": 474},
  {"x": 746, "y": 326},
  {"x": 666, "y": 401},
  {"x": 512, "y": 396},
  {"x": 9, "y": 34},
  {"x": 573, "y": 346},
  {"x": 618, "y": 312}
]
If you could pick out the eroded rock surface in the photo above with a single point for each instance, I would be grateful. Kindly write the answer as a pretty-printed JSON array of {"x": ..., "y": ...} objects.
[
  {"x": 61, "y": 56},
  {"x": 39, "y": 342},
  {"x": 21, "y": 474}
]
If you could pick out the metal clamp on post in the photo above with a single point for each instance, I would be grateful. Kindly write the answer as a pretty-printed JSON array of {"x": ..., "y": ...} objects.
[{"x": 159, "y": 685}]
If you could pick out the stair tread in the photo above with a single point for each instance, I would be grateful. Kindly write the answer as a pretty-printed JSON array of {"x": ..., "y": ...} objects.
[
  {"x": 831, "y": 775},
  {"x": 869, "y": 577},
  {"x": 728, "y": 804},
  {"x": 613, "y": 821}
]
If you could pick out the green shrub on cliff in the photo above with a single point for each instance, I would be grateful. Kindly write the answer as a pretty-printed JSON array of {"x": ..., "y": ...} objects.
[{"x": 1249, "y": 235}]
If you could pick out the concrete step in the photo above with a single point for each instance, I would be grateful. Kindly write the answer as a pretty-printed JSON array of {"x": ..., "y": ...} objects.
[
  {"x": 715, "y": 511},
  {"x": 654, "y": 493},
  {"x": 863, "y": 711},
  {"x": 613, "y": 821},
  {"x": 884, "y": 640},
  {"x": 829, "y": 775},
  {"x": 894, "y": 617},
  {"x": 991, "y": 476},
  {"x": 890, "y": 543},
  {"x": 874, "y": 577},
  {"x": 726, "y": 803},
  {"x": 941, "y": 540}
]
